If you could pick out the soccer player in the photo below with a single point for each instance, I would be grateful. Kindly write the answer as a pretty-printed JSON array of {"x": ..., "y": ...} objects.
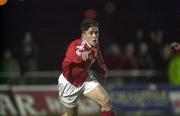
[{"x": 76, "y": 79}]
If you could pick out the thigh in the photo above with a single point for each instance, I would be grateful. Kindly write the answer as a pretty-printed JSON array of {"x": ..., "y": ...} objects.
[
  {"x": 94, "y": 90},
  {"x": 98, "y": 94}
]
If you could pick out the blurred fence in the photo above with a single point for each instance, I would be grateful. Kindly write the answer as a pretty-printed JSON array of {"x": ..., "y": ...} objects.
[{"x": 115, "y": 77}]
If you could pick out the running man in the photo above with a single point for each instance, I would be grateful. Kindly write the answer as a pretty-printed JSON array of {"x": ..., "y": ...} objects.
[{"x": 76, "y": 79}]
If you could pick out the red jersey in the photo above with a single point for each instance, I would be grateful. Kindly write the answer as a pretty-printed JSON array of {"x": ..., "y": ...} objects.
[{"x": 75, "y": 69}]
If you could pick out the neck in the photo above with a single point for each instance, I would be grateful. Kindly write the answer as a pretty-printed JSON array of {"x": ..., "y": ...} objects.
[{"x": 86, "y": 42}]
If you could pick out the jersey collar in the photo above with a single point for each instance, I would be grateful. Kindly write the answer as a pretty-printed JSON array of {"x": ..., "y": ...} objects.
[{"x": 86, "y": 42}]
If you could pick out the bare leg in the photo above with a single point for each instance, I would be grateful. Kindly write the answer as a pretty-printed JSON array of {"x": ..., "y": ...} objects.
[
  {"x": 100, "y": 96},
  {"x": 71, "y": 111}
]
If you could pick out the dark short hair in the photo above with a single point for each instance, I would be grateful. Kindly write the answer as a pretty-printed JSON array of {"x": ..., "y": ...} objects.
[{"x": 86, "y": 23}]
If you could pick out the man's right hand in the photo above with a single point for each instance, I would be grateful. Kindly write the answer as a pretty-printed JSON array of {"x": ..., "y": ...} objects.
[{"x": 86, "y": 55}]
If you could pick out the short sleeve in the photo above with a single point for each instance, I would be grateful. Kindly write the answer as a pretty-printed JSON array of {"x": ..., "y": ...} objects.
[{"x": 74, "y": 53}]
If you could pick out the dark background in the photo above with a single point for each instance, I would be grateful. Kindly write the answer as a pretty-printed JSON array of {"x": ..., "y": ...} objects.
[{"x": 55, "y": 23}]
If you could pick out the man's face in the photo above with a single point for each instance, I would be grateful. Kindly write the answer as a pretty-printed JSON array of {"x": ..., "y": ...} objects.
[{"x": 91, "y": 35}]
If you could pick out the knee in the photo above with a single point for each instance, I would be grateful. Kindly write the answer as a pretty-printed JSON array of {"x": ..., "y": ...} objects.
[{"x": 106, "y": 102}]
